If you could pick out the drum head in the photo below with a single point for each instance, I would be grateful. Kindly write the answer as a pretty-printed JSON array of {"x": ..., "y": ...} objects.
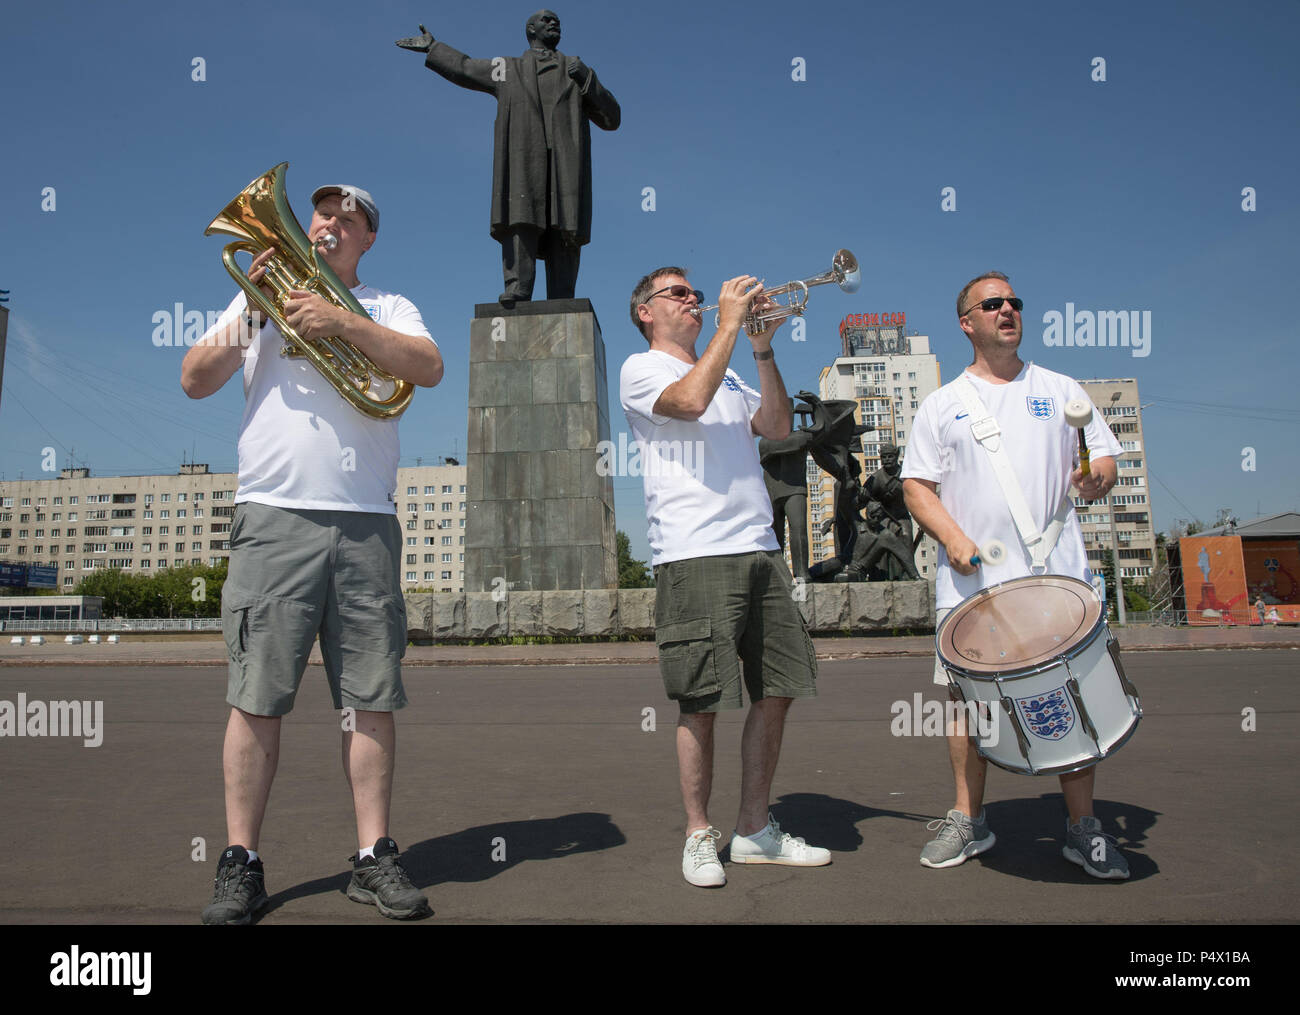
[{"x": 1019, "y": 625}]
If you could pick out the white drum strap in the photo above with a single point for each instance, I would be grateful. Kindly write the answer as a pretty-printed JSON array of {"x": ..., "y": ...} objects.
[{"x": 985, "y": 429}]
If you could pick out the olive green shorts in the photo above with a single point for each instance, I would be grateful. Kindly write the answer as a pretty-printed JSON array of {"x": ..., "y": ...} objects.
[
  {"x": 717, "y": 618},
  {"x": 298, "y": 574}
]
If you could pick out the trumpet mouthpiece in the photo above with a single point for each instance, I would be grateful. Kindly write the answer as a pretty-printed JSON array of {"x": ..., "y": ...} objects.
[{"x": 328, "y": 242}]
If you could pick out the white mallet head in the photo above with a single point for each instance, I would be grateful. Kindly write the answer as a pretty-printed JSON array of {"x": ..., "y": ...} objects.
[{"x": 1078, "y": 413}]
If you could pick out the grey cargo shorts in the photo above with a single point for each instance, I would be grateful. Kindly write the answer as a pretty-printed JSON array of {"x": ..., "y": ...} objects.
[{"x": 298, "y": 574}]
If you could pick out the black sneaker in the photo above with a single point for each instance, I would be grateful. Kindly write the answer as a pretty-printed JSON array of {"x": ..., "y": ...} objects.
[
  {"x": 239, "y": 889},
  {"x": 379, "y": 880}
]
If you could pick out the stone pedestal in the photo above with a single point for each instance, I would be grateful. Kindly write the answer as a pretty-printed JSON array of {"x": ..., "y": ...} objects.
[{"x": 538, "y": 515}]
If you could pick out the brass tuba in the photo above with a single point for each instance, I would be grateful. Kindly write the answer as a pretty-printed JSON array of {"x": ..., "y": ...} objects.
[{"x": 261, "y": 217}]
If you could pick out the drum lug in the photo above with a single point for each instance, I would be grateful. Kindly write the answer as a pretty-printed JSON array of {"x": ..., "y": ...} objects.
[
  {"x": 1112, "y": 646},
  {"x": 1009, "y": 709},
  {"x": 1072, "y": 686}
]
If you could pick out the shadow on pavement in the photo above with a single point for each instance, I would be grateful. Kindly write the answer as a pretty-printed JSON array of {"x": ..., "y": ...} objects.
[
  {"x": 468, "y": 855},
  {"x": 1031, "y": 833},
  {"x": 830, "y": 822}
]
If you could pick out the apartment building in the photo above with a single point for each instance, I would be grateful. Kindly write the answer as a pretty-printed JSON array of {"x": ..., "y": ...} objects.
[
  {"x": 79, "y": 522},
  {"x": 1124, "y": 519}
]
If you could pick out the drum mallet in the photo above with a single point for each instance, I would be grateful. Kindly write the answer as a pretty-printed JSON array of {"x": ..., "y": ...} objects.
[
  {"x": 1078, "y": 413},
  {"x": 992, "y": 553}
]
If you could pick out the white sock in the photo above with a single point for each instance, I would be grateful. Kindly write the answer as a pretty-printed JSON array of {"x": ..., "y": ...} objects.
[
  {"x": 252, "y": 855},
  {"x": 369, "y": 851}
]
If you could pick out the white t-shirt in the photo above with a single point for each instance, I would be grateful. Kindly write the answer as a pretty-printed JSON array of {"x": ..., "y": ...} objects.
[
  {"x": 1040, "y": 446},
  {"x": 704, "y": 490},
  {"x": 301, "y": 444}
]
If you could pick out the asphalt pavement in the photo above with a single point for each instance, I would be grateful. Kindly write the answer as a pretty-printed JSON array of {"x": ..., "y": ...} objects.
[{"x": 548, "y": 793}]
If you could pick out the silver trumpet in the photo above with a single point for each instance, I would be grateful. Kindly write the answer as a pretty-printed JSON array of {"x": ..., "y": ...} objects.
[{"x": 844, "y": 273}]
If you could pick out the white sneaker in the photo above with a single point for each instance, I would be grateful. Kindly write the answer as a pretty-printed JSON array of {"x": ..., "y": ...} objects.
[
  {"x": 771, "y": 845},
  {"x": 700, "y": 864}
]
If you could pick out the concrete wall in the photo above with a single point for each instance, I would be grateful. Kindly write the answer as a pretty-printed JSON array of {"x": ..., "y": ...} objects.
[{"x": 848, "y": 608}]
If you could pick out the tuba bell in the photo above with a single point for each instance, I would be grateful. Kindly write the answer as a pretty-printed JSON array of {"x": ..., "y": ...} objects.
[{"x": 261, "y": 217}]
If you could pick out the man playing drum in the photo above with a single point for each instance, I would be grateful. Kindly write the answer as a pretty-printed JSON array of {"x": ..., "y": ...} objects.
[{"x": 953, "y": 491}]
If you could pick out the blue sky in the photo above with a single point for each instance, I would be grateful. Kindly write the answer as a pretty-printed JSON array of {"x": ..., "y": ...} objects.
[{"x": 1123, "y": 194}]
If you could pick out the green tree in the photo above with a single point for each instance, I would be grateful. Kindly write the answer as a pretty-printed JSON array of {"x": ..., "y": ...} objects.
[
  {"x": 122, "y": 593},
  {"x": 632, "y": 574},
  {"x": 189, "y": 591}
]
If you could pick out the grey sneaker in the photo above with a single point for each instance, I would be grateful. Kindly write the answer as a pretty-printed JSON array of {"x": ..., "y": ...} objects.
[
  {"x": 380, "y": 881},
  {"x": 959, "y": 838},
  {"x": 238, "y": 890},
  {"x": 1093, "y": 850}
]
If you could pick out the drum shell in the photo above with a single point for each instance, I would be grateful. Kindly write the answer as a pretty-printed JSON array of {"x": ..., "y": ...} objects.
[{"x": 1089, "y": 708}]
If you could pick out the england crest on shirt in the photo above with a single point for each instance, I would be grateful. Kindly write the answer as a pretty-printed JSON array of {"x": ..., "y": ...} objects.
[
  {"x": 373, "y": 310},
  {"x": 1041, "y": 408},
  {"x": 730, "y": 384}
]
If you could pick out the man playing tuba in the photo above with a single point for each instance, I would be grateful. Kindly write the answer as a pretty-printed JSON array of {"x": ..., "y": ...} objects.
[{"x": 314, "y": 549}]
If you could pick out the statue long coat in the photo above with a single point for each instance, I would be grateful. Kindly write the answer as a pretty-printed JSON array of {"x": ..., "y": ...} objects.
[{"x": 519, "y": 169}]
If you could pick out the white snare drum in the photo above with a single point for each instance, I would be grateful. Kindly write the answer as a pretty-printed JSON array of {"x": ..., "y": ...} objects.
[{"x": 1038, "y": 653}]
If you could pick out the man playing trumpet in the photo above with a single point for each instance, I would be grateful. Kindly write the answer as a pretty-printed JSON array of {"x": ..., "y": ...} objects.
[
  {"x": 724, "y": 606},
  {"x": 314, "y": 549}
]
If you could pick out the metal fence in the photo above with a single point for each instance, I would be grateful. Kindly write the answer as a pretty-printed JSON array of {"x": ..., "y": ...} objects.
[
  {"x": 92, "y": 626},
  {"x": 1241, "y": 616}
]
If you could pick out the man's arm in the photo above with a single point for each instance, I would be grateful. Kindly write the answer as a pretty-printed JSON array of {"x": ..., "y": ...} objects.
[
  {"x": 689, "y": 398},
  {"x": 774, "y": 418},
  {"x": 408, "y": 357},
  {"x": 1101, "y": 478},
  {"x": 922, "y": 499},
  {"x": 213, "y": 360}
]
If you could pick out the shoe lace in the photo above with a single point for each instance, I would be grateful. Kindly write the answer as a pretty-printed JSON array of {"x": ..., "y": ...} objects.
[
  {"x": 947, "y": 829},
  {"x": 784, "y": 837},
  {"x": 1091, "y": 835},
  {"x": 232, "y": 881},
  {"x": 391, "y": 874},
  {"x": 704, "y": 846}
]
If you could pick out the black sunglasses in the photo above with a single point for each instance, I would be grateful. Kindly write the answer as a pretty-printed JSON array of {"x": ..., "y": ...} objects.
[
  {"x": 678, "y": 292},
  {"x": 995, "y": 303}
]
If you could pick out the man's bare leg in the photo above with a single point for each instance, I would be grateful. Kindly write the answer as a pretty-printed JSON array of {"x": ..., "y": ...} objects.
[
  {"x": 760, "y": 749},
  {"x": 969, "y": 770},
  {"x": 695, "y": 765},
  {"x": 1077, "y": 787},
  {"x": 368, "y": 759},
  {"x": 249, "y": 759}
]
